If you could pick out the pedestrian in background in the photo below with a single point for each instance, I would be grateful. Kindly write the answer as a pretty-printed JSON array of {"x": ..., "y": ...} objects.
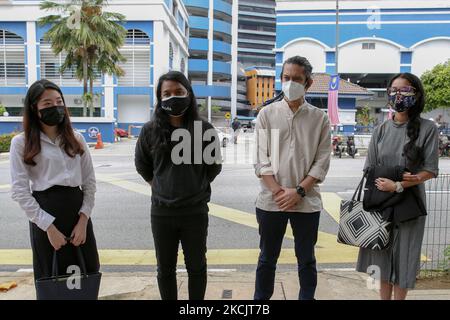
[
  {"x": 55, "y": 159},
  {"x": 180, "y": 191},
  {"x": 236, "y": 126}
]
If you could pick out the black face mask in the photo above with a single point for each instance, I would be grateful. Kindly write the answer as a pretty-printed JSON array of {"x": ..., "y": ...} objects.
[
  {"x": 53, "y": 116},
  {"x": 176, "y": 106}
]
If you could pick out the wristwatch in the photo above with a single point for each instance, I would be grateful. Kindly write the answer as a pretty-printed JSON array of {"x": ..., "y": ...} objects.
[
  {"x": 301, "y": 191},
  {"x": 399, "y": 187}
]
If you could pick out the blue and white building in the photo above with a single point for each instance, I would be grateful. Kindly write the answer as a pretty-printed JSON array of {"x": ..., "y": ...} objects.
[
  {"x": 377, "y": 39},
  {"x": 156, "y": 42},
  {"x": 213, "y": 52}
]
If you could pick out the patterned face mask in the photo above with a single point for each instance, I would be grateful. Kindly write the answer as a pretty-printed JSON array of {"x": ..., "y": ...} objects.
[{"x": 402, "y": 99}]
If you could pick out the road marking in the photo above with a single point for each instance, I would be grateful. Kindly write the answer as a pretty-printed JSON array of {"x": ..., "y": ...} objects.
[
  {"x": 120, "y": 174},
  {"x": 210, "y": 270},
  {"x": 125, "y": 184},
  {"x": 221, "y": 257},
  {"x": 332, "y": 204},
  {"x": 5, "y": 186},
  {"x": 23, "y": 257},
  {"x": 328, "y": 249}
]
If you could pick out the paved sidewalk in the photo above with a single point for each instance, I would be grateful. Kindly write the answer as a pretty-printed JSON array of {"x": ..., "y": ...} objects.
[{"x": 332, "y": 285}]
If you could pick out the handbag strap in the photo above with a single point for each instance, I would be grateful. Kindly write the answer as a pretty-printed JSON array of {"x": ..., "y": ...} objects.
[
  {"x": 358, "y": 190},
  {"x": 80, "y": 258}
]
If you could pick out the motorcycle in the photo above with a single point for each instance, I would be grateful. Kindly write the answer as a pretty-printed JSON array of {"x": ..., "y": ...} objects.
[
  {"x": 337, "y": 147},
  {"x": 444, "y": 146},
  {"x": 351, "y": 148}
]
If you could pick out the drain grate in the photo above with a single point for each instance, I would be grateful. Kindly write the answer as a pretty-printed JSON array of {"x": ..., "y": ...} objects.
[{"x": 227, "y": 294}]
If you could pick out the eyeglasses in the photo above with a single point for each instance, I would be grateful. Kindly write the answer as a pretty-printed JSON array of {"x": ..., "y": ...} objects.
[{"x": 407, "y": 91}]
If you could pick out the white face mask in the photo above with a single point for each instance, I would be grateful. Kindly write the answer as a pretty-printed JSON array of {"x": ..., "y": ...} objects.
[{"x": 293, "y": 90}]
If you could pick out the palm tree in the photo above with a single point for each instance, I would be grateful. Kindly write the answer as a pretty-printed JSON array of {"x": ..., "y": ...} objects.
[{"x": 92, "y": 43}]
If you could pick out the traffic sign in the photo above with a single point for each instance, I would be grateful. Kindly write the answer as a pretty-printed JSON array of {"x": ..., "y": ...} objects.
[{"x": 93, "y": 131}]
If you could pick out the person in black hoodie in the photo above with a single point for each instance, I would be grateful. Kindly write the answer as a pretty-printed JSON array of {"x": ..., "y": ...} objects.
[{"x": 178, "y": 154}]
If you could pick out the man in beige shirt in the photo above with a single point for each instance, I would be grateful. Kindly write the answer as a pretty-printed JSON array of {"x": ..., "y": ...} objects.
[{"x": 292, "y": 157}]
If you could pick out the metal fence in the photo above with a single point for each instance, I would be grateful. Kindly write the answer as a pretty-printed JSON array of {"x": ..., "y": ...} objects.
[{"x": 436, "y": 241}]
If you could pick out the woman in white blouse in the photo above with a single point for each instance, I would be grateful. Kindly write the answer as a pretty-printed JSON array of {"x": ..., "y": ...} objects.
[{"x": 53, "y": 181}]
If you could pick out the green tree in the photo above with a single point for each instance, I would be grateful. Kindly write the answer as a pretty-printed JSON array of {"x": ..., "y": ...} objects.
[
  {"x": 363, "y": 116},
  {"x": 2, "y": 110},
  {"x": 91, "y": 38},
  {"x": 436, "y": 83},
  {"x": 216, "y": 109}
]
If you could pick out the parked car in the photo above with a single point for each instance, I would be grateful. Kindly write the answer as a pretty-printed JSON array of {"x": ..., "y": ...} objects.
[{"x": 121, "y": 133}]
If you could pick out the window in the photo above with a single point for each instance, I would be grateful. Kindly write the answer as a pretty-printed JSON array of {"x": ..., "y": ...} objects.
[
  {"x": 12, "y": 59},
  {"x": 175, "y": 8},
  {"x": 170, "y": 55},
  {"x": 137, "y": 67},
  {"x": 368, "y": 46},
  {"x": 182, "y": 65}
]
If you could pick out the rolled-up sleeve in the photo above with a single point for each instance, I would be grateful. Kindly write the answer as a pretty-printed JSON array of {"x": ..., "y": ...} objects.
[
  {"x": 371, "y": 158},
  {"x": 263, "y": 165},
  {"x": 20, "y": 186},
  {"x": 431, "y": 151},
  {"x": 321, "y": 164},
  {"x": 88, "y": 184}
]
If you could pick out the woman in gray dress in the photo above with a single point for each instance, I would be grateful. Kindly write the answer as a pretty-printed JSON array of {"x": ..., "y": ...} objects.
[{"x": 410, "y": 141}]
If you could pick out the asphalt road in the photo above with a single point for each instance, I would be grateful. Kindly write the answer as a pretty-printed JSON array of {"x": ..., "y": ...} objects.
[{"x": 122, "y": 213}]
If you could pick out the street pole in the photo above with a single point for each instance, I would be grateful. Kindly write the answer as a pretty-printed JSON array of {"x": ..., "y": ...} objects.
[
  {"x": 337, "y": 37},
  {"x": 337, "y": 49},
  {"x": 234, "y": 58}
]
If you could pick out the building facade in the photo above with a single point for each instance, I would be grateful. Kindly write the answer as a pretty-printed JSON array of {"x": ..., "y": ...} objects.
[
  {"x": 156, "y": 42},
  {"x": 257, "y": 21},
  {"x": 377, "y": 39},
  {"x": 260, "y": 85},
  {"x": 211, "y": 49},
  {"x": 256, "y": 42}
]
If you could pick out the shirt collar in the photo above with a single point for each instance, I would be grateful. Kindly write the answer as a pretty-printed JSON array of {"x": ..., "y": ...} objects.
[
  {"x": 45, "y": 138},
  {"x": 299, "y": 110}
]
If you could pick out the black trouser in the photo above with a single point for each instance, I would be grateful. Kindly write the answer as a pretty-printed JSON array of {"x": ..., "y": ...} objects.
[
  {"x": 63, "y": 203},
  {"x": 191, "y": 231},
  {"x": 272, "y": 228}
]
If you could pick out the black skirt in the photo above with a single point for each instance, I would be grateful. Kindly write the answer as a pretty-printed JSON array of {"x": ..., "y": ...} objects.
[{"x": 63, "y": 203}]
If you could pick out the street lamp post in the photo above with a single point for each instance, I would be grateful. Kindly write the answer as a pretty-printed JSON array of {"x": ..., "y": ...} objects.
[{"x": 337, "y": 38}]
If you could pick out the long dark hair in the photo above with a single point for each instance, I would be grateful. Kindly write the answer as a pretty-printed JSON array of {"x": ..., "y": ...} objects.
[
  {"x": 413, "y": 153},
  {"x": 160, "y": 123},
  {"x": 32, "y": 125}
]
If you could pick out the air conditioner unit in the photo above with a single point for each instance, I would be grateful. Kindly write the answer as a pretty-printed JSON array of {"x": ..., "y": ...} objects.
[{"x": 78, "y": 101}]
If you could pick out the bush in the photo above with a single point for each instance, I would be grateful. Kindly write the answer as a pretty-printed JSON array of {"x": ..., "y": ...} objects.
[
  {"x": 2, "y": 110},
  {"x": 5, "y": 142}
]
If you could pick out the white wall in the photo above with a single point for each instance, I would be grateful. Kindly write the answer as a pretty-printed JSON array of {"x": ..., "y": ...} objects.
[
  {"x": 435, "y": 113},
  {"x": 425, "y": 56},
  {"x": 133, "y": 109},
  {"x": 382, "y": 4},
  {"x": 311, "y": 50},
  {"x": 11, "y": 100},
  {"x": 385, "y": 58},
  {"x": 347, "y": 117},
  {"x": 161, "y": 52}
]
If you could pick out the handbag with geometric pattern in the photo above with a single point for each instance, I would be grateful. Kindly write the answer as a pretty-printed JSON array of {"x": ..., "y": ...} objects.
[{"x": 361, "y": 228}]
